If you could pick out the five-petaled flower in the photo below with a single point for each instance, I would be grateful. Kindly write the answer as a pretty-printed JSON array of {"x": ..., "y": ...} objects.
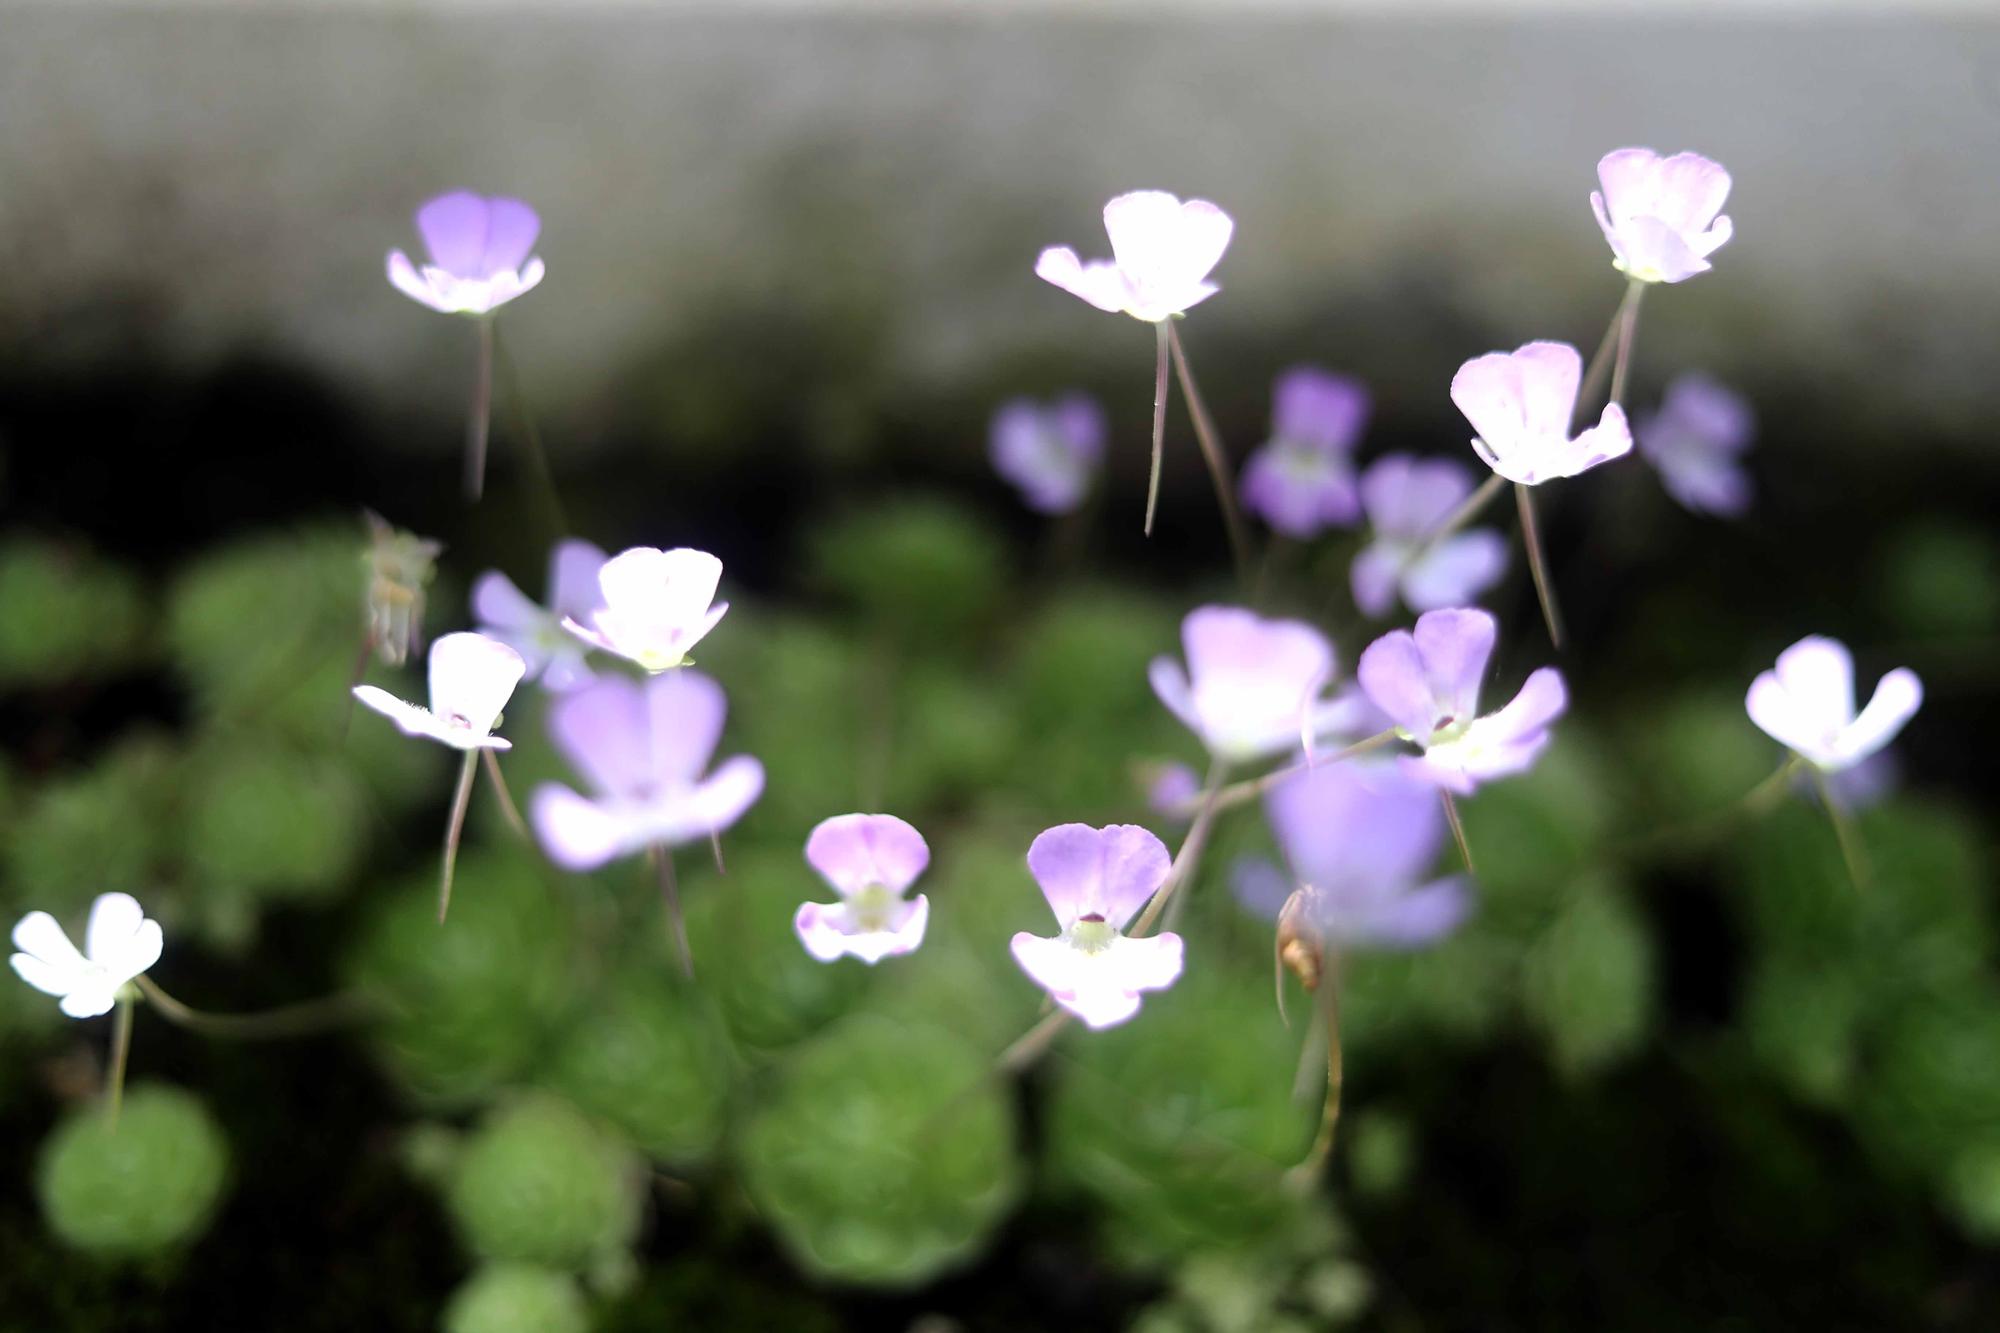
[
  {"x": 478, "y": 254},
  {"x": 1427, "y": 681},
  {"x": 643, "y": 748},
  {"x": 1660, "y": 213},
  {"x": 1694, "y": 441},
  {"x": 1049, "y": 453},
  {"x": 654, "y": 605},
  {"x": 869, "y": 860},
  {"x": 1163, "y": 248},
  {"x": 1807, "y": 705},
  {"x": 1096, "y": 880},
  {"x": 1301, "y": 481},
  {"x": 1406, "y": 499},
  {"x": 1251, "y": 686},
  {"x": 1360, "y": 838},
  {"x": 1521, "y": 403},
  {"x": 506, "y": 613},
  {"x": 119, "y": 943},
  {"x": 471, "y": 679}
]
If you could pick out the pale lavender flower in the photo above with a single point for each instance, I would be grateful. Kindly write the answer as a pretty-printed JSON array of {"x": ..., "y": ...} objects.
[
  {"x": 1096, "y": 880},
  {"x": 1251, "y": 686},
  {"x": 1360, "y": 838},
  {"x": 643, "y": 749},
  {"x": 1163, "y": 248},
  {"x": 869, "y": 860},
  {"x": 653, "y": 606},
  {"x": 1807, "y": 705},
  {"x": 1301, "y": 481},
  {"x": 1694, "y": 441},
  {"x": 1170, "y": 788},
  {"x": 471, "y": 679},
  {"x": 1521, "y": 403},
  {"x": 535, "y": 632},
  {"x": 1406, "y": 499},
  {"x": 119, "y": 943},
  {"x": 1049, "y": 453},
  {"x": 1427, "y": 681},
  {"x": 1660, "y": 214},
  {"x": 478, "y": 249}
]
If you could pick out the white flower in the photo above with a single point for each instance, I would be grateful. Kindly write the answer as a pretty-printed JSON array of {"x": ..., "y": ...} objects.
[
  {"x": 1807, "y": 704},
  {"x": 1164, "y": 250},
  {"x": 657, "y": 605},
  {"x": 472, "y": 677},
  {"x": 119, "y": 944}
]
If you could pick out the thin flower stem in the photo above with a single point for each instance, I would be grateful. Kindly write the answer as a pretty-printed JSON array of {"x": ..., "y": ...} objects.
[
  {"x": 1457, "y": 829},
  {"x": 1164, "y": 330},
  {"x": 538, "y": 458},
  {"x": 1851, "y": 850},
  {"x": 1679, "y": 837},
  {"x": 1538, "y": 565},
  {"x": 121, "y": 1050},
  {"x": 507, "y": 806},
  {"x": 1236, "y": 793},
  {"x": 670, "y": 893},
  {"x": 292, "y": 1020},
  {"x": 1307, "y": 1172},
  {"x": 480, "y": 423},
  {"x": 1030, "y": 1045},
  {"x": 1489, "y": 490},
  {"x": 1600, "y": 360},
  {"x": 1628, "y": 334},
  {"x": 1212, "y": 454},
  {"x": 1189, "y": 855},
  {"x": 454, "y": 827}
]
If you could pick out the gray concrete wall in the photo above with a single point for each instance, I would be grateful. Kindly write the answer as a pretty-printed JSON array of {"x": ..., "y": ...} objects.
[{"x": 223, "y": 178}]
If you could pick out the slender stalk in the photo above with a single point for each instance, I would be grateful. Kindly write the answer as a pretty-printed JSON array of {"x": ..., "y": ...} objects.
[
  {"x": 480, "y": 423},
  {"x": 538, "y": 458},
  {"x": 121, "y": 1050},
  {"x": 670, "y": 893},
  {"x": 1164, "y": 328},
  {"x": 1457, "y": 829},
  {"x": 1628, "y": 333},
  {"x": 1600, "y": 360},
  {"x": 292, "y": 1020},
  {"x": 1236, "y": 793},
  {"x": 1030, "y": 1045},
  {"x": 1679, "y": 837},
  {"x": 491, "y": 759},
  {"x": 1489, "y": 490},
  {"x": 1190, "y": 851},
  {"x": 1307, "y": 1172},
  {"x": 1851, "y": 850},
  {"x": 454, "y": 827},
  {"x": 1212, "y": 454},
  {"x": 1538, "y": 566}
]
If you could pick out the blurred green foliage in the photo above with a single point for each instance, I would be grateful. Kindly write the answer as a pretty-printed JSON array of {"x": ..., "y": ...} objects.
[
  {"x": 539, "y": 1182},
  {"x": 137, "y": 1186}
]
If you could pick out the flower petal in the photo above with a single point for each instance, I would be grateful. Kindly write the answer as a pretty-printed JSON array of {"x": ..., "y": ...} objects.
[
  {"x": 115, "y": 934},
  {"x": 1897, "y": 697},
  {"x": 404, "y": 277},
  {"x": 38, "y": 935},
  {"x": 853, "y": 852},
  {"x": 47, "y": 977},
  {"x": 472, "y": 677},
  {"x": 1456, "y": 571},
  {"x": 603, "y": 729},
  {"x": 1818, "y": 673},
  {"x": 577, "y": 834},
  {"x": 454, "y": 228},
  {"x": 685, "y": 711},
  {"x": 1455, "y": 645},
  {"x": 1312, "y": 406},
  {"x": 511, "y": 229},
  {"x": 498, "y": 603},
  {"x": 1098, "y": 282},
  {"x": 1108, "y": 872},
  {"x": 410, "y": 719},
  {"x": 573, "y": 569},
  {"x": 1391, "y": 672}
]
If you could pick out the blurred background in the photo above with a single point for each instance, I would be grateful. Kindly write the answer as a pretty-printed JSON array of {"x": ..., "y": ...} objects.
[{"x": 1676, "y": 1073}]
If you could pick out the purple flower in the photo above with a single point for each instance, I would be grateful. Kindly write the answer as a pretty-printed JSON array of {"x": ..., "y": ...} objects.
[
  {"x": 1164, "y": 251},
  {"x": 1521, "y": 403},
  {"x": 1096, "y": 880},
  {"x": 1169, "y": 788},
  {"x": 869, "y": 860},
  {"x": 1807, "y": 705},
  {"x": 1049, "y": 453},
  {"x": 1301, "y": 481},
  {"x": 1660, "y": 213},
  {"x": 471, "y": 679},
  {"x": 653, "y": 606},
  {"x": 478, "y": 254},
  {"x": 643, "y": 750},
  {"x": 1360, "y": 837},
  {"x": 1427, "y": 681},
  {"x": 536, "y": 633},
  {"x": 1693, "y": 442},
  {"x": 1251, "y": 686},
  {"x": 1406, "y": 499}
]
